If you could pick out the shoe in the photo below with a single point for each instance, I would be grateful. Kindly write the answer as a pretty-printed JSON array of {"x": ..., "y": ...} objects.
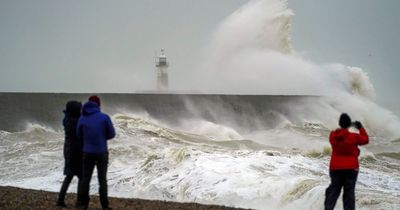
[
  {"x": 81, "y": 207},
  {"x": 61, "y": 204}
]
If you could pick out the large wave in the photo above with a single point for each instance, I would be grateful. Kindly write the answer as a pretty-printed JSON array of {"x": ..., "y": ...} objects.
[
  {"x": 251, "y": 53},
  {"x": 228, "y": 150}
]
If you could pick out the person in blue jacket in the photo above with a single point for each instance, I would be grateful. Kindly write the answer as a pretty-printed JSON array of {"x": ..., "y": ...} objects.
[{"x": 95, "y": 128}]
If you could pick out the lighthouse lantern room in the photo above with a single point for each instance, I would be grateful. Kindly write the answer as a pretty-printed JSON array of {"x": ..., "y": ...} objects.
[{"x": 162, "y": 73}]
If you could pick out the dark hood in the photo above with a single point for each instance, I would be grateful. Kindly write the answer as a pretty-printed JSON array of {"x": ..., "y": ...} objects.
[
  {"x": 90, "y": 108},
  {"x": 73, "y": 109}
]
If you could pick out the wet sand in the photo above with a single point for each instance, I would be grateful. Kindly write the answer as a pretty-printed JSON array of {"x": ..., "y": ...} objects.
[{"x": 17, "y": 198}]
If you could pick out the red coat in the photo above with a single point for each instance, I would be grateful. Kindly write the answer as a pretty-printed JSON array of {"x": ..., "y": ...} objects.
[{"x": 345, "y": 148}]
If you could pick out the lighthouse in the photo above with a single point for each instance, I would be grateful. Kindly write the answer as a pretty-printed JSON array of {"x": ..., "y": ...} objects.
[{"x": 162, "y": 73}]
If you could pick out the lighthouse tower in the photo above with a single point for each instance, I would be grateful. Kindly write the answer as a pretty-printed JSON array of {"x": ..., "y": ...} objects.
[{"x": 162, "y": 74}]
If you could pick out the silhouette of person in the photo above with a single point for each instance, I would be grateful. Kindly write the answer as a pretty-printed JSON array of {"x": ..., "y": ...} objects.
[
  {"x": 343, "y": 167},
  {"x": 95, "y": 128},
  {"x": 72, "y": 149}
]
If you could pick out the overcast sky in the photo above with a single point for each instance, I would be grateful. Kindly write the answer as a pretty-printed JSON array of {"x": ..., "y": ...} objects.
[{"x": 109, "y": 46}]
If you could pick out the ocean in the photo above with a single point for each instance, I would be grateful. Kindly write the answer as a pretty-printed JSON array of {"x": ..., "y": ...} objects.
[
  {"x": 257, "y": 138},
  {"x": 251, "y": 151}
]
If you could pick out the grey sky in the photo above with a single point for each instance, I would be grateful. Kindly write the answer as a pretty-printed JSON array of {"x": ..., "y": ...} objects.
[
  {"x": 108, "y": 46},
  {"x": 363, "y": 33}
]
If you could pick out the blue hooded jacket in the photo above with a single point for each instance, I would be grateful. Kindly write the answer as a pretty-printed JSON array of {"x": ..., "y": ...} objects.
[{"x": 95, "y": 128}]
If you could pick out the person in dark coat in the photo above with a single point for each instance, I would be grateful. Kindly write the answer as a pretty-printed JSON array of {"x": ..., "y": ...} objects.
[
  {"x": 72, "y": 149},
  {"x": 95, "y": 128},
  {"x": 343, "y": 167}
]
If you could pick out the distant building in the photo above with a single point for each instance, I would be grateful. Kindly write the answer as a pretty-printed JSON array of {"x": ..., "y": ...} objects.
[{"x": 162, "y": 73}]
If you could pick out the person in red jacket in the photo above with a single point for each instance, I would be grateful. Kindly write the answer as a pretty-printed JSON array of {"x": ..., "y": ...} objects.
[{"x": 343, "y": 167}]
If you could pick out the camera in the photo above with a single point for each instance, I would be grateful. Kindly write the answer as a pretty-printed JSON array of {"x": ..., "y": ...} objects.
[{"x": 356, "y": 124}]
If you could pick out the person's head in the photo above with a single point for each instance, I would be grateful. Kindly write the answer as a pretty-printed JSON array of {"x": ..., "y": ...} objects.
[
  {"x": 344, "y": 120},
  {"x": 95, "y": 99},
  {"x": 73, "y": 108}
]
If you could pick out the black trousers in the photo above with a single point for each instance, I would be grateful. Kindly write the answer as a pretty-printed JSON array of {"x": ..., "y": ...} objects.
[
  {"x": 101, "y": 162},
  {"x": 64, "y": 187},
  {"x": 341, "y": 178}
]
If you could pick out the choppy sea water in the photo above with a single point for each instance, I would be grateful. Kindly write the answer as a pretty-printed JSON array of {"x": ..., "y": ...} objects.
[
  {"x": 212, "y": 164},
  {"x": 261, "y": 151}
]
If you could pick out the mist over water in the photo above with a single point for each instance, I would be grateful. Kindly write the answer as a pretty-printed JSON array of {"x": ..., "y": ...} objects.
[
  {"x": 246, "y": 150},
  {"x": 251, "y": 53}
]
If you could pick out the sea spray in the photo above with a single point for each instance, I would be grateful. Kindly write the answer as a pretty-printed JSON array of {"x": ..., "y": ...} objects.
[
  {"x": 251, "y": 53},
  {"x": 360, "y": 83},
  {"x": 247, "y": 151}
]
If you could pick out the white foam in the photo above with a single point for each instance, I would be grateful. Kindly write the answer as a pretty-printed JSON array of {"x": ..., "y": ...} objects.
[
  {"x": 152, "y": 162},
  {"x": 209, "y": 129}
]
